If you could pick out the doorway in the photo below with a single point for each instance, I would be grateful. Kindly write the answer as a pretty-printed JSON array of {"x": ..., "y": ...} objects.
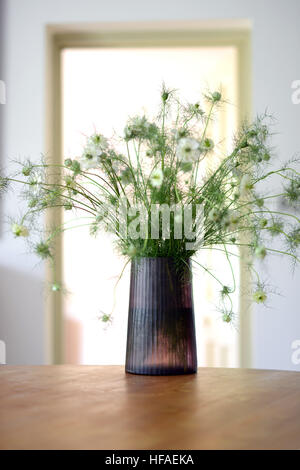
[{"x": 100, "y": 85}]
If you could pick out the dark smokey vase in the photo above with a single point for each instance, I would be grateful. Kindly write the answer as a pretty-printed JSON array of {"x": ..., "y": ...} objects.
[{"x": 161, "y": 328}]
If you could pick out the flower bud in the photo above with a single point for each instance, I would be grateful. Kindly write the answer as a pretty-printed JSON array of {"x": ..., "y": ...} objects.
[
  {"x": 263, "y": 223},
  {"x": 165, "y": 96},
  {"x": 216, "y": 96},
  {"x": 227, "y": 318},
  {"x": 68, "y": 162},
  {"x": 26, "y": 170},
  {"x": 260, "y": 252}
]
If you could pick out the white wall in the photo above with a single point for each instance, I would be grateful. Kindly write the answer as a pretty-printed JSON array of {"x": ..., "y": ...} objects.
[{"x": 276, "y": 43}]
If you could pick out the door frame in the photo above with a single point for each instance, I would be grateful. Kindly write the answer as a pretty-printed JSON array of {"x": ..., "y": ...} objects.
[{"x": 218, "y": 33}]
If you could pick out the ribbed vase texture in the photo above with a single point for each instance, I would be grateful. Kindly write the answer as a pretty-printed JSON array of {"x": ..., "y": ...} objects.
[{"x": 161, "y": 328}]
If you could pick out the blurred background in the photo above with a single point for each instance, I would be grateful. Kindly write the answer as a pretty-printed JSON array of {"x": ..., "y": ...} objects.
[{"x": 70, "y": 67}]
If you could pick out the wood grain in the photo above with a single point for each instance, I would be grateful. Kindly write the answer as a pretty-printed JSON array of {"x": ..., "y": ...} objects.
[{"x": 101, "y": 407}]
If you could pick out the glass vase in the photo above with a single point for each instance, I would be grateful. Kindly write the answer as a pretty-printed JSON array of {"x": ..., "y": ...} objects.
[{"x": 161, "y": 336}]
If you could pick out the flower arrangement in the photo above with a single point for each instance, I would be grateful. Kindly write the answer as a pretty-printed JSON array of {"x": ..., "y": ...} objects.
[{"x": 165, "y": 163}]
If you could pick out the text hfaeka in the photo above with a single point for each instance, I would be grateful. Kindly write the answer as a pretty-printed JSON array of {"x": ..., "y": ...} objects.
[{"x": 155, "y": 459}]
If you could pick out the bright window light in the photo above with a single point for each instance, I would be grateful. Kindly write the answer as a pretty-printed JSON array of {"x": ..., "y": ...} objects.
[{"x": 101, "y": 87}]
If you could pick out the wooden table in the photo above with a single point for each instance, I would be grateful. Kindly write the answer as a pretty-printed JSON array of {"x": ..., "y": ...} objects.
[{"x": 101, "y": 407}]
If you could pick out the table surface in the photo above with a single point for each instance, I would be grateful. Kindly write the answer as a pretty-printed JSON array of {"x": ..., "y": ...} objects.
[{"x": 101, "y": 407}]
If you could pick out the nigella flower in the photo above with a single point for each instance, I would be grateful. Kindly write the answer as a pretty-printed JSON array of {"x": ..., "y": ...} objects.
[
  {"x": 259, "y": 296},
  {"x": 263, "y": 223},
  {"x": 27, "y": 168},
  {"x": 214, "y": 97},
  {"x": 139, "y": 127},
  {"x": 188, "y": 150},
  {"x": 213, "y": 215},
  {"x": 180, "y": 133},
  {"x": 42, "y": 249},
  {"x": 89, "y": 159},
  {"x": 98, "y": 141},
  {"x": 266, "y": 156},
  {"x": 260, "y": 202},
  {"x": 246, "y": 185},
  {"x": 231, "y": 220},
  {"x": 68, "y": 162},
  {"x": 227, "y": 316},
  {"x": 195, "y": 109},
  {"x": 226, "y": 291},
  {"x": 156, "y": 178},
  {"x": 127, "y": 176},
  {"x": 19, "y": 230},
  {"x": 105, "y": 318},
  {"x": 257, "y": 132},
  {"x": 69, "y": 181},
  {"x": 207, "y": 145},
  {"x": 234, "y": 217},
  {"x": 93, "y": 151}
]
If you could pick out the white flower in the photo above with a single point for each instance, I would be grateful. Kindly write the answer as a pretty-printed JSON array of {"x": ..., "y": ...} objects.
[
  {"x": 19, "y": 230},
  {"x": 207, "y": 145},
  {"x": 98, "y": 141},
  {"x": 259, "y": 296},
  {"x": 246, "y": 185},
  {"x": 94, "y": 149},
  {"x": 213, "y": 215},
  {"x": 156, "y": 178},
  {"x": 231, "y": 220},
  {"x": 88, "y": 160},
  {"x": 139, "y": 127},
  {"x": 180, "y": 133},
  {"x": 234, "y": 217},
  {"x": 188, "y": 150}
]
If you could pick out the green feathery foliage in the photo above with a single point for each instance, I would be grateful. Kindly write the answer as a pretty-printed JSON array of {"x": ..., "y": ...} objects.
[{"x": 166, "y": 161}]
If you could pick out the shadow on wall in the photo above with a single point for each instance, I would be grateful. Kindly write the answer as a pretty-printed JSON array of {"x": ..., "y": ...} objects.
[{"x": 17, "y": 319}]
